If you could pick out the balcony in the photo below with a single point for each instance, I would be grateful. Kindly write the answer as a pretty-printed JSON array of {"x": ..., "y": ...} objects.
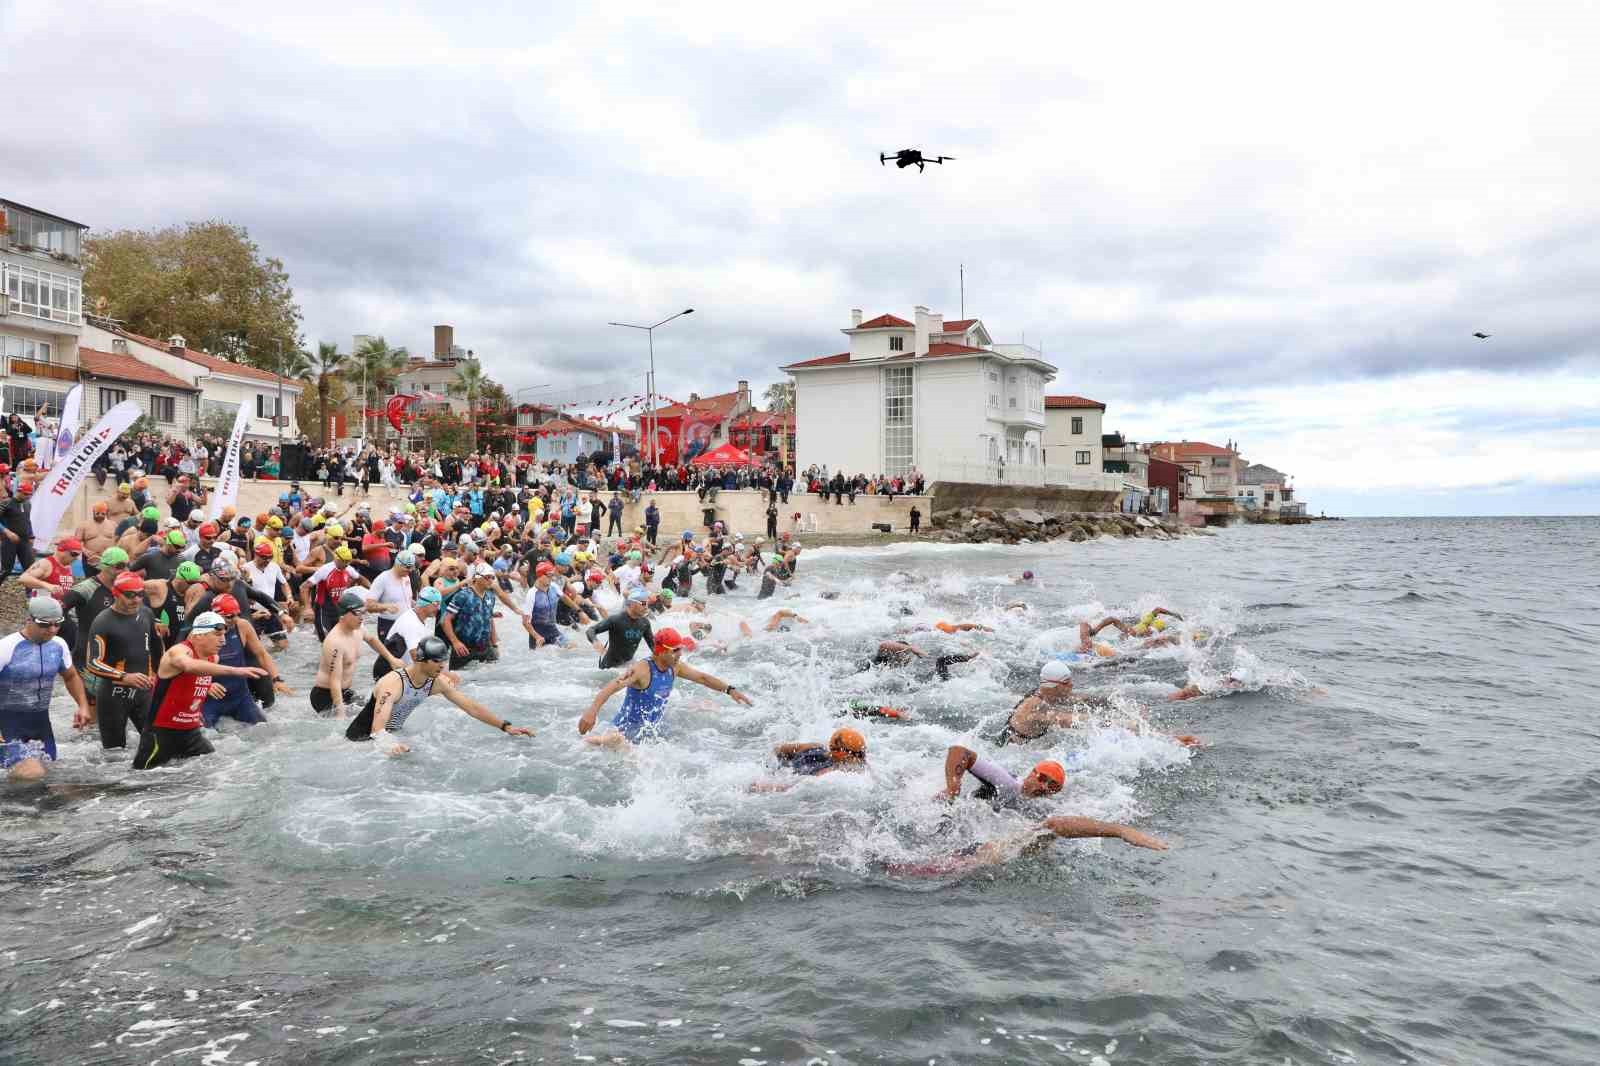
[{"x": 35, "y": 368}]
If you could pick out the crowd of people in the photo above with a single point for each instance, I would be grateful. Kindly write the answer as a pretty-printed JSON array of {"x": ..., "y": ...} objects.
[{"x": 161, "y": 621}]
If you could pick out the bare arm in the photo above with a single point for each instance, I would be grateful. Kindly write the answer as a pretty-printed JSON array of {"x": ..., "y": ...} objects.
[
  {"x": 957, "y": 761},
  {"x": 1089, "y": 827},
  {"x": 1169, "y": 614},
  {"x": 616, "y": 685},
  {"x": 34, "y": 576},
  {"x": 791, "y": 749},
  {"x": 180, "y": 661},
  {"x": 1122, "y": 626},
  {"x": 384, "y": 693},
  {"x": 477, "y": 710},
  {"x": 74, "y": 683},
  {"x": 716, "y": 684}
]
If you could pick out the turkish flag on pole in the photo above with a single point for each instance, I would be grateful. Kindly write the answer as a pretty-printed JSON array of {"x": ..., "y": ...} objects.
[
  {"x": 666, "y": 436},
  {"x": 395, "y": 410}
]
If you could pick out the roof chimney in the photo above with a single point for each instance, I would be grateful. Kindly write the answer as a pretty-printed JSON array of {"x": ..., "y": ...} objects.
[
  {"x": 444, "y": 338},
  {"x": 927, "y": 324},
  {"x": 744, "y": 396},
  {"x": 119, "y": 345},
  {"x": 855, "y": 317},
  {"x": 176, "y": 344}
]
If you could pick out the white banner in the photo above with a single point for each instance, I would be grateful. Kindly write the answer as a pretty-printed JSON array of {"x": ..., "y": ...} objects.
[
  {"x": 227, "y": 492},
  {"x": 69, "y": 421},
  {"x": 616, "y": 448},
  {"x": 50, "y": 499}
]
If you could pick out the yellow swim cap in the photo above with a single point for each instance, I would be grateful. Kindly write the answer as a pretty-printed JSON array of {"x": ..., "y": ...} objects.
[
  {"x": 1159, "y": 624},
  {"x": 334, "y": 530},
  {"x": 1149, "y": 616}
]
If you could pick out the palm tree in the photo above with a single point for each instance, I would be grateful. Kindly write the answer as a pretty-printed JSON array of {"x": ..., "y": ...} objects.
[
  {"x": 470, "y": 382},
  {"x": 373, "y": 369},
  {"x": 328, "y": 367}
]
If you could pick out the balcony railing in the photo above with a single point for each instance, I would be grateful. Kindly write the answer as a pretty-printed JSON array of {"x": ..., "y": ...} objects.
[{"x": 36, "y": 368}]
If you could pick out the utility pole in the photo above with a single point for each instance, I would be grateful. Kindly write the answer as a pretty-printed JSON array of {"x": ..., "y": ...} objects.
[{"x": 650, "y": 334}]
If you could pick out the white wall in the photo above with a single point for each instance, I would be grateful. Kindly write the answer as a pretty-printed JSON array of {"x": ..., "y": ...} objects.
[
  {"x": 1062, "y": 445},
  {"x": 839, "y": 418},
  {"x": 874, "y": 344},
  {"x": 952, "y": 416}
]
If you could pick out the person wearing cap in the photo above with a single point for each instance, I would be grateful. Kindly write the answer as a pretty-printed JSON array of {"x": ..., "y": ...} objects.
[
  {"x": 1046, "y": 707},
  {"x": 775, "y": 572},
  {"x": 16, "y": 527},
  {"x": 97, "y": 533},
  {"x": 391, "y": 591},
  {"x": 241, "y": 646},
  {"x": 468, "y": 618},
  {"x": 205, "y": 549},
  {"x": 52, "y": 576},
  {"x": 1025, "y": 579},
  {"x": 542, "y": 609},
  {"x": 332, "y": 691},
  {"x": 30, "y": 660},
  {"x": 846, "y": 750},
  {"x": 169, "y": 601},
  {"x": 185, "y": 678},
  {"x": 181, "y": 499},
  {"x": 411, "y": 628},
  {"x": 122, "y": 649},
  {"x": 1029, "y": 842},
  {"x": 121, "y": 505},
  {"x": 223, "y": 580},
  {"x": 997, "y": 785},
  {"x": 161, "y": 562},
  {"x": 398, "y": 694},
  {"x": 648, "y": 684},
  {"x": 327, "y": 584},
  {"x": 264, "y": 576},
  {"x": 623, "y": 631}
]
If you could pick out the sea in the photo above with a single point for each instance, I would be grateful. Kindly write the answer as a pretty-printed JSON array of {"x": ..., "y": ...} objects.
[{"x": 1385, "y": 852}]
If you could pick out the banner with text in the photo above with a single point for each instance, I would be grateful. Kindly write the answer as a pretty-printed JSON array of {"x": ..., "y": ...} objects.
[
  {"x": 227, "y": 491},
  {"x": 50, "y": 499}
]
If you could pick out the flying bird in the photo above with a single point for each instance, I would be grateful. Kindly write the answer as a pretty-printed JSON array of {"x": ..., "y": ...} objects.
[
  {"x": 1481, "y": 336},
  {"x": 906, "y": 157}
]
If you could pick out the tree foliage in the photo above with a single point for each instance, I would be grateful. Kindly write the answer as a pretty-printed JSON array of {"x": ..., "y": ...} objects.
[
  {"x": 207, "y": 281},
  {"x": 327, "y": 368},
  {"x": 372, "y": 371},
  {"x": 780, "y": 396}
]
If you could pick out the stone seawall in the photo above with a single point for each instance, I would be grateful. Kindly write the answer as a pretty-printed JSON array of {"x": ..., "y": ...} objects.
[
  {"x": 743, "y": 511},
  {"x": 955, "y": 495},
  {"x": 1015, "y": 525}
]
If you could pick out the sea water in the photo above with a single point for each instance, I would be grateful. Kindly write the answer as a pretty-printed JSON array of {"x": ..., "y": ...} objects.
[{"x": 1384, "y": 853}]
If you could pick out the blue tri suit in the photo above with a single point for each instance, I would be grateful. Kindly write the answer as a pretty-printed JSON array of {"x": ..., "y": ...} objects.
[{"x": 642, "y": 708}]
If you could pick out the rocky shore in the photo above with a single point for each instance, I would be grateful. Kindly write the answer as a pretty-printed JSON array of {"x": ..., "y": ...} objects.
[{"x": 1014, "y": 525}]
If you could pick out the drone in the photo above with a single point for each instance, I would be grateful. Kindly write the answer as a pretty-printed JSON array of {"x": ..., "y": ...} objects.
[{"x": 905, "y": 157}]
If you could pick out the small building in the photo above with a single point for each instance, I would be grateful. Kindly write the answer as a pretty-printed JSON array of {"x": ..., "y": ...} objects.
[
  {"x": 1072, "y": 431},
  {"x": 109, "y": 378},
  {"x": 1209, "y": 490},
  {"x": 696, "y": 425},
  {"x": 1262, "y": 488},
  {"x": 1128, "y": 461},
  {"x": 41, "y": 308},
  {"x": 1165, "y": 480},
  {"x": 927, "y": 395},
  {"x": 565, "y": 439}
]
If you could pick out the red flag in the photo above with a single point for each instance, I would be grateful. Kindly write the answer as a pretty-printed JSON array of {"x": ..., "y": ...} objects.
[
  {"x": 395, "y": 409},
  {"x": 666, "y": 436}
]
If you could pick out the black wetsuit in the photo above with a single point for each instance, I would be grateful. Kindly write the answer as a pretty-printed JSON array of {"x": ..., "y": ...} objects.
[
  {"x": 156, "y": 564},
  {"x": 624, "y": 634},
  {"x": 770, "y": 579},
  {"x": 122, "y": 644},
  {"x": 941, "y": 665},
  {"x": 86, "y": 600}
]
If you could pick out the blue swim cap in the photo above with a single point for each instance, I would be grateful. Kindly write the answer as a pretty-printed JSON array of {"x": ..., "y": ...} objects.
[
  {"x": 688, "y": 534},
  {"x": 563, "y": 558}
]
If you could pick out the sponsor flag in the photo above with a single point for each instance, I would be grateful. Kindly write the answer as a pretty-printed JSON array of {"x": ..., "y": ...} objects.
[
  {"x": 69, "y": 421},
  {"x": 50, "y": 499},
  {"x": 227, "y": 492}
]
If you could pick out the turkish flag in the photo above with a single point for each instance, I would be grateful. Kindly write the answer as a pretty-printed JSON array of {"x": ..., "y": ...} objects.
[{"x": 666, "y": 437}]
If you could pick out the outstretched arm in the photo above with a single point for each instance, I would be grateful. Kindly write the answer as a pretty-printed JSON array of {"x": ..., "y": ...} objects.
[
  {"x": 477, "y": 710},
  {"x": 1169, "y": 614},
  {"x": 716, "y": 684},
  {"x": 1122, "y": 626},
  {"x": 1089, "y": 827},
  {"x": 377, "y": 645},
  {"x": 616, "y": 685}
]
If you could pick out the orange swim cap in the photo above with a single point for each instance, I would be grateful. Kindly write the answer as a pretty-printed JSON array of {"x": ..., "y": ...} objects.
[
  {"x": 944, "y": 627},
  {"x": 847, "y": 742},
  {"x": 1050, "y": 770}
]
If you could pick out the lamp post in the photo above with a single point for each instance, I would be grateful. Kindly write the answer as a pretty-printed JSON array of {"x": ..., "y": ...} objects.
[
  {"x": 650, "y": 334},
  {"x": 277, "y": 414}
]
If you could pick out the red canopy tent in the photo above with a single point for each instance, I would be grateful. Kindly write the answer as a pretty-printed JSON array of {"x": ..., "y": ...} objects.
[{"x": 723, "y": 455}]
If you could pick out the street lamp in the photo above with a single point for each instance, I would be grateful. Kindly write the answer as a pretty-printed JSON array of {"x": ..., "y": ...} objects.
[{"x": 650, "y": 334}]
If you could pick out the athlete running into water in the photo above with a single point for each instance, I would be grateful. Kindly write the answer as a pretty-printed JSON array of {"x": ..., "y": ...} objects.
[
  {"x": 332, "y": 691},
  {"x": 400, "y": 692},
  {"x": 649, "y": 684},
  {"x": 185, "y": 678},
  {"x": 30, "y": 661},
  {"x": 1032, "y": 842}
]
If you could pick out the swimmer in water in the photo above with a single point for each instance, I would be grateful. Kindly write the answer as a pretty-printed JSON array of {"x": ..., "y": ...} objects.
[
  {"x": 400, "y": 692},
  {"x": 1042, "y": 710},
  {"x": 1025, "y": 579},
  {"x": 893, "y": 654},
  {"x": 1032, "y": 842},
  {"x": 995, "y": 784},
  {"x": 649, "y": 684},
  {"x": 868, "y": 709},
  {"x": 846, "y": 750},
  {"x": 782, "y": 621}
]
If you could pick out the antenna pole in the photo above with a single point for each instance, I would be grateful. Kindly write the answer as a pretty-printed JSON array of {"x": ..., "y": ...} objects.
[{"x": 963, "y": 269}]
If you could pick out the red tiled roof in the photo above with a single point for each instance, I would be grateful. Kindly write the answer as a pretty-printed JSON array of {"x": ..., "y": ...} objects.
[
  {"x": 762, "y": 419},
  {"x": 943, "y": 348},
  {"x": 127, "y": 368},
  {"x": 1189, "y": 449},
  {"x": 884, "y": 322},
  {"x": 1056, "y": 403},
  {"x": 563, "y": 425},
  {"x": 824, "y": 360},
  {"x": 960, "y": 325},
  {"x": 215, "y": 364},
  {"x": 719, "y": 405}
]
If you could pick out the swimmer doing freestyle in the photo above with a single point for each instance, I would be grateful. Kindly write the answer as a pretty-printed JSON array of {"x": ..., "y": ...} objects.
[
  {"x": 400, "y": 692},
  {"x": 1045, "y": 709}
]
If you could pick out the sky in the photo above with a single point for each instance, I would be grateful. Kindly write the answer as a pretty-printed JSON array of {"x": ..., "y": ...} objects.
[{"x": 1270, "y": 223}]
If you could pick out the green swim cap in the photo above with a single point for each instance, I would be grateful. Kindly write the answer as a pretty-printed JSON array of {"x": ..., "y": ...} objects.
[
  {"x": 186, "y": 571},
  {"x": 151, "y": 513},
  {"x": 113, "y": 556},
  {"x": 666, "y": 595},
  {"x": 177, "y": 539}
]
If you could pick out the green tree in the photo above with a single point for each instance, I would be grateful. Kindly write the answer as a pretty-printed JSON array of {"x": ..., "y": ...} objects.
[
  {"x": 470, "y": 381},
  {"x": 207, "y": 281},
  {"x": 445, "y": 431},
  {"x": 373, "y": 369},
  {"x": 327, "y": 368},
  {"x": 780, "y": 396}
]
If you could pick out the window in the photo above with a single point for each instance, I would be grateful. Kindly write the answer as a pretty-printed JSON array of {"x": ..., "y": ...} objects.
[
  {"x": 109, "y": 398},
  {"x": 1082, "y": 458},
  {"x": 25, "y": 401},
  {"x": 25, "y": 348},
  {"x": 994, "y": 399},
  {"x": 897, "y": 344},
  {"x": 216, "y": 409},
  {"x": 42, "y": 234},
  {"x": 266, "y": 406},
  {"x": 994, "y": 378},
  {"x": 164, "y": 409},
  {"x": 1013, "y": 403},
  {"x": 1077, "y": 425},
  {"x": 716, "y": 431},
  {"x": 43, "y": 294},
  {"x": 899, "y": 425}
]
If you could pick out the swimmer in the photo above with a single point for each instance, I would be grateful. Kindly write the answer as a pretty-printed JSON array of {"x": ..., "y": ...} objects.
[
  {"x": 1034, "y": 841},
  {"x": 895, "y": 653},
  {"x": 781, "y": 621},
  {"x": 30, "y": 661},
  {"x": 1025, "y": 579},
  {"x": 184, "y": 679},
  {"x": 399, "y": 693},
  {"x": 868, "y": 709},
  {"x": 996, "y": 785},
  {"x": 1040, "y": 711},
  {"x": 331, "y": 690},
  {"x": 649, "y": 684},
  {"x": 624, "y": 631},
  {"x": 1189, "y": 692},
  {"x": 846, "y": 750}
]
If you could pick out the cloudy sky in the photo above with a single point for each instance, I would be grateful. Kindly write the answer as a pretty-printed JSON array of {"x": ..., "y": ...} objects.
[{"x": 1264, "y": 222}]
